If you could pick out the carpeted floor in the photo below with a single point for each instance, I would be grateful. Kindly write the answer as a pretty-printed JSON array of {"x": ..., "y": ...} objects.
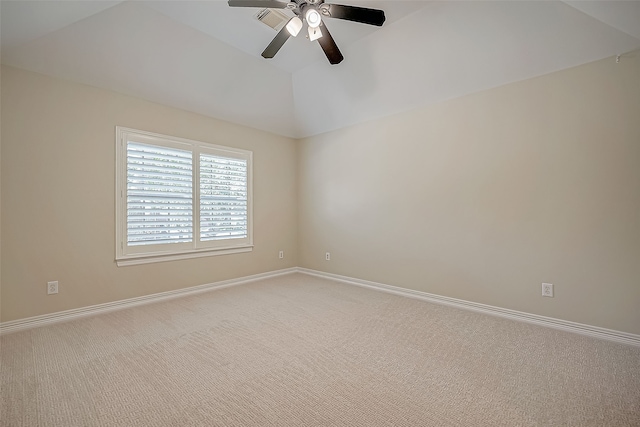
[{"x": 303, "y": 351}]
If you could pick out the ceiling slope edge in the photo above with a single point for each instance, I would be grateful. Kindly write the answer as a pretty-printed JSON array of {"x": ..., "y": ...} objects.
[
  {"x": 24, "y": 21},
  {"x": 621, "y": 15},
  {"x": 455, "y": 49},
  {"x": 134, "y": 50}
]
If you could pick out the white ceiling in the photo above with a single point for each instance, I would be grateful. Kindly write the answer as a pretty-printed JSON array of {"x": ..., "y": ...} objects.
[{"x": 204, "y": 56}]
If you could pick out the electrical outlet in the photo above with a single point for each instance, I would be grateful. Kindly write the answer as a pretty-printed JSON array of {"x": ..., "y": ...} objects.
[
  {"x": 547, "y": 290},
  {"x": 281, "y": 254},
  {"x": 327, "y": 256},
  {"x": 52, "y": 287}
]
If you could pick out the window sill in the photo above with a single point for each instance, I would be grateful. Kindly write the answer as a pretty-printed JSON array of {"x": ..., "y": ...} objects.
[{"x": 153, "y": 258}]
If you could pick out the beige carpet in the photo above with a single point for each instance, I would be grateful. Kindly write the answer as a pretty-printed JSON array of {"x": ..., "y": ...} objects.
[{"x": 303, "y": 351}]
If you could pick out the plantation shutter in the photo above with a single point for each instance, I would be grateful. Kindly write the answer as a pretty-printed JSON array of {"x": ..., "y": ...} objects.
[
  {"x": 223, "y": 198},
  {"x": 159, "y": 195},
  {"x": 177, "y": 198}
]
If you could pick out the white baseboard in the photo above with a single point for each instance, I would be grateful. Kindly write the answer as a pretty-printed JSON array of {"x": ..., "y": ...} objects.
[
  {"x": 92, "y": 310},
  {"x": 565, "y": 325}
]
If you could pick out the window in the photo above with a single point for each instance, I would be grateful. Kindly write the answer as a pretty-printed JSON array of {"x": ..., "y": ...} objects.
[{"x": 177, "y": 198}]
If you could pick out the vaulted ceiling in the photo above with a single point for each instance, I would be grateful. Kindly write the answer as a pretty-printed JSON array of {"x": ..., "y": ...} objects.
[{"x": 204, "y": 56}]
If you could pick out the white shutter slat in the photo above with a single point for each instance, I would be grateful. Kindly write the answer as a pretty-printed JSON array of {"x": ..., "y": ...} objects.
[
  {"x": 159, "y": 195},
  {"x": 162, "y": 241},
  {"x": 223, "y": 198},
  {"x": 240, "y": 216}
]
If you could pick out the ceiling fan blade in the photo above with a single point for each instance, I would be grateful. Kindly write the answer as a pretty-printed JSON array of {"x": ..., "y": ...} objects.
[
  {"x": 329, "y": 46},
  {"x": 354, "y": 13},
  {"x": 276, "y": 43},
  {"x": 269, "y": 4}
]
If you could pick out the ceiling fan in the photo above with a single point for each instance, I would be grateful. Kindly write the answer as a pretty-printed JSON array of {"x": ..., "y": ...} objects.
[{"x": 311, "y": 12}]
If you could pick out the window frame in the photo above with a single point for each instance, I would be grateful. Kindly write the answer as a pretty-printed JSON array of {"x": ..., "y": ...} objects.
[{"x": 143, "y": 254}]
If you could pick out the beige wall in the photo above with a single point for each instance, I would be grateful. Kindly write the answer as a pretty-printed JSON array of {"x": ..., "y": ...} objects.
[
  {"x": 58, "y": 165},
  {"x": 480, "y": 198},
  {"x": 485, "y": 197}
]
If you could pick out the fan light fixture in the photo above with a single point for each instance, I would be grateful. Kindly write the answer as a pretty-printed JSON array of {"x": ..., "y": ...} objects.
[
  {"x": 294, "y": 26},
  {"x": 314, "y": 33},
  {"x": 313, "y": 18}
]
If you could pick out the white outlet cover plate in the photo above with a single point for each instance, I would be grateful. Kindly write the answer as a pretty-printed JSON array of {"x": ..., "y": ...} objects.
[
  {"x": 52, "y": 288},
  {"x": 547, "y": 290}
]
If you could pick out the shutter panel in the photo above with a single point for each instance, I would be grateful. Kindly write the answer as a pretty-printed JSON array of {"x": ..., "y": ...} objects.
[
  {"x": 223, "y": 198},
  {"x": 159, "y": 195}
]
